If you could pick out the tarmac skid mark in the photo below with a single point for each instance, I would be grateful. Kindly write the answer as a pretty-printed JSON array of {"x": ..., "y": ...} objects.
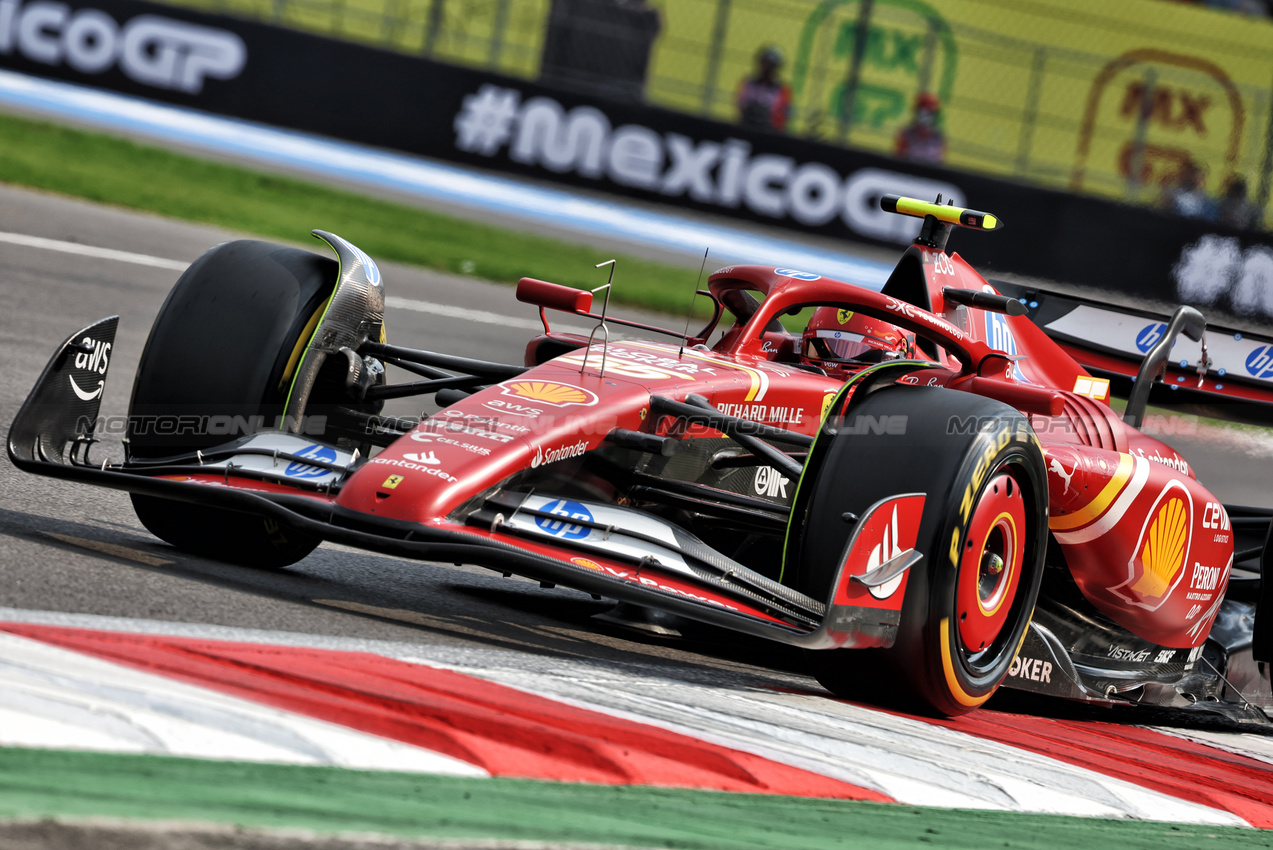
[{"x": 501, "y": 730}]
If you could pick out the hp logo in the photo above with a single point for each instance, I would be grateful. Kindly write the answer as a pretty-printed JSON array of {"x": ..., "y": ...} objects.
[
  {"x": 1149, "y": 336},
  {"x": 296, "y": 469},
  {"x": 563, "y": 527},
  {"x": 1260, "y": 362}
]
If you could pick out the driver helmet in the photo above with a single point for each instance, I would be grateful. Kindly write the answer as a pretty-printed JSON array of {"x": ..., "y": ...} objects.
[{"x": 839, "y": 340}]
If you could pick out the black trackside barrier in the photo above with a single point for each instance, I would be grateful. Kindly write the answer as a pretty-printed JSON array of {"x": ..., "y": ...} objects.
[{"x": 293, "y": 80}]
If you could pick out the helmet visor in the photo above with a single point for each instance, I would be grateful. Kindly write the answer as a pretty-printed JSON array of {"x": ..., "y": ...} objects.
[{"x": 846, "y": 345}]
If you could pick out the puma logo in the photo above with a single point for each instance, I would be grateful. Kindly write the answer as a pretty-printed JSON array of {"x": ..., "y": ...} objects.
[{"x": 1055, "y": 466}]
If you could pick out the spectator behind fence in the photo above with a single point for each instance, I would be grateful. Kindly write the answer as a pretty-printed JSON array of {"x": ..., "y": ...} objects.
[
  {"x": 600, "y": 47},
  {"x": 764, "y": 101},
  {"x": 1255, "y": 8},
  {"x": 1236, "y": 210},
  {"x": 922, "y": 140},
  {"x": 1187, "y": 196}
]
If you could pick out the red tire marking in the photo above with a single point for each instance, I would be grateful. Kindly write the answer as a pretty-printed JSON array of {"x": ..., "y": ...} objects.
[{"x": 503, "y": 730}]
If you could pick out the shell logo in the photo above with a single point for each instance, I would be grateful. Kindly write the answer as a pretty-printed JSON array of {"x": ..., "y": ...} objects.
[
  {"x": 550, "y": 392},
  {"x": 1162, "y": 550},
  {"x": 1163, "y": 553},
  {"x": 586, "y": 564}
]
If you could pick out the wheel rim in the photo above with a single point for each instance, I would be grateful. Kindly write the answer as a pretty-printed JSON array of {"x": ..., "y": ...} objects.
[{"x": 990, "y": 568}]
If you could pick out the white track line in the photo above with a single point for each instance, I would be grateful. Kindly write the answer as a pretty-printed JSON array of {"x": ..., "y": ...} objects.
[
  {"x": 432, "y": 308},
  {"x": 91, "y": 251},
  {"x": 452, "y": 312}
]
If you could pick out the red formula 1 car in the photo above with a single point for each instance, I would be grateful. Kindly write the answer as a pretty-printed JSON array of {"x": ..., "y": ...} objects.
[{"x": 919, "y": 487}]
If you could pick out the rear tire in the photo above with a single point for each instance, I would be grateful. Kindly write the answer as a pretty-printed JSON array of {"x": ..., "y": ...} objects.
[
  {"x": 983, "y": 535},
  {"x": 225, "y": 344}
]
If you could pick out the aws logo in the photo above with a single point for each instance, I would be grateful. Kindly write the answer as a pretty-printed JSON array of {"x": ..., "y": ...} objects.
[
  {"x": 551, "y": 393},
  {"x": 93, "y": 357},
  {"x": 1162, "y": 550}
]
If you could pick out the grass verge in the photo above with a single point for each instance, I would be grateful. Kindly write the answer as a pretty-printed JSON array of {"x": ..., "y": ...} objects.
[
  {"x": 42, "y": 783},
  {"x": 117, "y": 171}
]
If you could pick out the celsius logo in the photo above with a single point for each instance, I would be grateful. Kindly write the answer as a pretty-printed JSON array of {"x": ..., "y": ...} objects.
[
  {"x": 563, "y": 527},
  {"x": 1149, "y": 335},
  {"x": 151, "y": 50},
  {"x": 1260, "y": 362},
  {"x": 295, "y": 469},
  {"x": 95, "y": 361}
]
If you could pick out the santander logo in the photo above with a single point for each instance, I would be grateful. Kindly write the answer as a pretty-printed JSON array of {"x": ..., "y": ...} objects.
[{"x": 543, "y": 458}]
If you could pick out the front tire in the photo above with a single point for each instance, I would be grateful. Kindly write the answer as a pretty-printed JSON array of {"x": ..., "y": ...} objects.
[
  {"x": 983, "y": 535},
  {"x": 224, "y": 347}
]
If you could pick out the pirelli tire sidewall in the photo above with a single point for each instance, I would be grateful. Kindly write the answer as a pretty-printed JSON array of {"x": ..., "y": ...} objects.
[{"x": 1003, "y": 441}]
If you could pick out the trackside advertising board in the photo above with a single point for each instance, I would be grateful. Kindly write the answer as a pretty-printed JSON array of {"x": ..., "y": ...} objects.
[{"x": 288, "y": 79}]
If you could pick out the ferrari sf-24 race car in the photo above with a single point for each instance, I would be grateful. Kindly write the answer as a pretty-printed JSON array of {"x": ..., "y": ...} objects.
[{"x": 921, "y": 489}]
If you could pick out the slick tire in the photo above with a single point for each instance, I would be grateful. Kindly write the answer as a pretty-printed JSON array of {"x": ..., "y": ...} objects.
[
  {"x": 983, "y": 535},
  {"x": 223, "y": 349}
]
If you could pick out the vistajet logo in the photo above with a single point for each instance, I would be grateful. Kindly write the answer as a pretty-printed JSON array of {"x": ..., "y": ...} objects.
[{"x": 149, "y": 49}]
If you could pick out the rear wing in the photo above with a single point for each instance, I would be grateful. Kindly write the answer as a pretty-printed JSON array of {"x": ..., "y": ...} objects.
[{"x": 1235, "y": 382}]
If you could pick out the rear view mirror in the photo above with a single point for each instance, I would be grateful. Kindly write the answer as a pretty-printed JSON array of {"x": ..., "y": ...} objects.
[{"x": 554, "y": 296}]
